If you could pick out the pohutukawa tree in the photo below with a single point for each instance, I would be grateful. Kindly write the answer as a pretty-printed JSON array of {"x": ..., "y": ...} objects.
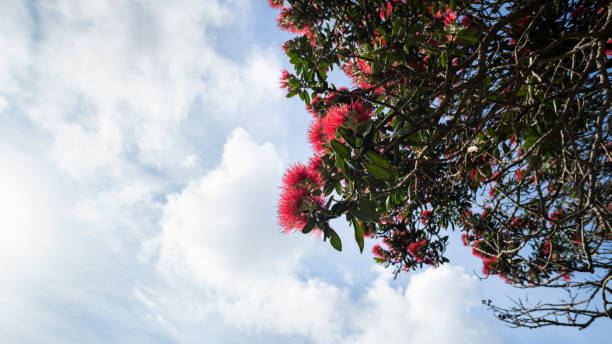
[{"x": 487, "y": 117}]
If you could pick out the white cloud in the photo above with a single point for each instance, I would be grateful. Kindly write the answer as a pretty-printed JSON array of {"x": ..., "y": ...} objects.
[
  {"x": 111, "y": 82},
  {"x": 433, "y": 308},
  {"x": 220, "y": 231},
  {"x": 27, "y": 211},
  {"x": 230, "y": 212}
]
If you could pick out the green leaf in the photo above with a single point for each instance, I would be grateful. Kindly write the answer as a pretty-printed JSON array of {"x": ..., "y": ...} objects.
[
  {"x": 378, "y": 171},
  {"x": 334, "y": 240},
  {"x": 320, "y": 74},
  {"x": 467, "y": 36},
  {"x": 365, "y": 210},
  {"x": 521, "y": 92},
  {"x": 309, "y": 227},
  {"x": 452, "y": 5},
  {"x": 443, "y": 59},
  {"x": 341, "y": 165},
  {"x": 358, "y": 234},
  {"x": 340, "y": 149},
  {"x": 338, "y": 188},
  {"x": 530, "y": 141},
  {"x": 347, "y": 135},
  {"x": 378, "y": 160},
  {"x": 369, "y": 207}
]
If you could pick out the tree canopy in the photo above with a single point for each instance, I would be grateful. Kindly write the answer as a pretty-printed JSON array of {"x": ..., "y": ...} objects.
[{"x": 487, "y": 117}]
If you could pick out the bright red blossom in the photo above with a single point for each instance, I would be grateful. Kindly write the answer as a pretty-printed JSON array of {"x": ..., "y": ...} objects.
[
  {"x": 417, "y": 250},
  {"x": 276, "y": 3},
  {"x": 290, "y": 206},
  {"x": 316, "y": 135},
  {"x": 425, "y": 216},
  {"x": 379, "y": 252},
  {"x": 301, "y": 176},
  {"x": 488, "y": 266},
  {"x": 358, "y": 71},
  {"x": 450, "y": 17},
  {"x": 339, "y": 115},
  {"x": 286, "y": 21},
  {"x": 556, "y": 214},
  {"x": 315, "y": 162},
  {"x": 285, "y": 77},
  {"x": 313, "y": 104}
]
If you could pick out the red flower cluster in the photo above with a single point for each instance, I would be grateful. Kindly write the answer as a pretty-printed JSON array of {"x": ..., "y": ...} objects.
[
  {"x": 425, "y": 216},
  {"x": 285, "y": 79},
  {"x": 418, "y": 249},
  {"x": 297, "y": 196},
  {"x": 276, "y": 3},
  {"x": 323, "y": 129},
  {"x": 288, "y": 22},
  {"x": 380, "y": 253},
  {"x": 359, "y": 72},
  {"x": 556, "y": 214},
  {"x": 301, "y": 176},
  {"x": 384, "y": 13},
  {"x": 450, "y": 17},
  {"x": 314, "y": 104}
]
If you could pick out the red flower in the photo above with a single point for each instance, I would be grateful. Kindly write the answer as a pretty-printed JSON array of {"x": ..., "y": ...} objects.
[
  {"x": 521, "y": 22},
  {"x": 566, "y": 276},
  {"x": 379, "y": 252},
  {"x": 450, "y": 17},
  {"x": 285, "y": 79},
  {"x": 315, "y": 162},
  {"x": 519, "y": 174},
  {"x": 437, "y": 15},
  {"x": 417, "y": 250},
  {"x": 556, "y": 214},
  {"x": 301, "y": 176},
  {"x": 488, "y": 266},
  {"x": 465, "y": 238},
  {"x": 316, "y": 135},
  {"x": 385, "y": 14},
  {"x": 425, "y": 216},
  {"x": 312, "y": 106},
  {"x": 477, "y": 252},
  {"x": 290, "y": 212},
  {"x": 338, "y": 115},
  {"x": 466, "y": 21},
  {"x": 473, "y": 174},
  {"x": 286, "y": 21},
  {"x": 359, "y": 70},
  {"x": 576, "y": 11},
  {"x": 275, "y": 3}
]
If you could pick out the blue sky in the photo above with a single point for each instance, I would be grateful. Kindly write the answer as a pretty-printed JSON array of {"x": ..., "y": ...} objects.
[{"x": 142, "y": 145}]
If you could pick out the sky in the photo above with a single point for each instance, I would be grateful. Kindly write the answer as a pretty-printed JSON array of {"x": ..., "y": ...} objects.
[{"x": 142, "y": 145}]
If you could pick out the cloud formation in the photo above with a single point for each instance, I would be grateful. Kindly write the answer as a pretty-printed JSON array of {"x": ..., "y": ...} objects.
[
  {"x": 119, "y": 78},
  {"x": 220, "y": 230}
]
